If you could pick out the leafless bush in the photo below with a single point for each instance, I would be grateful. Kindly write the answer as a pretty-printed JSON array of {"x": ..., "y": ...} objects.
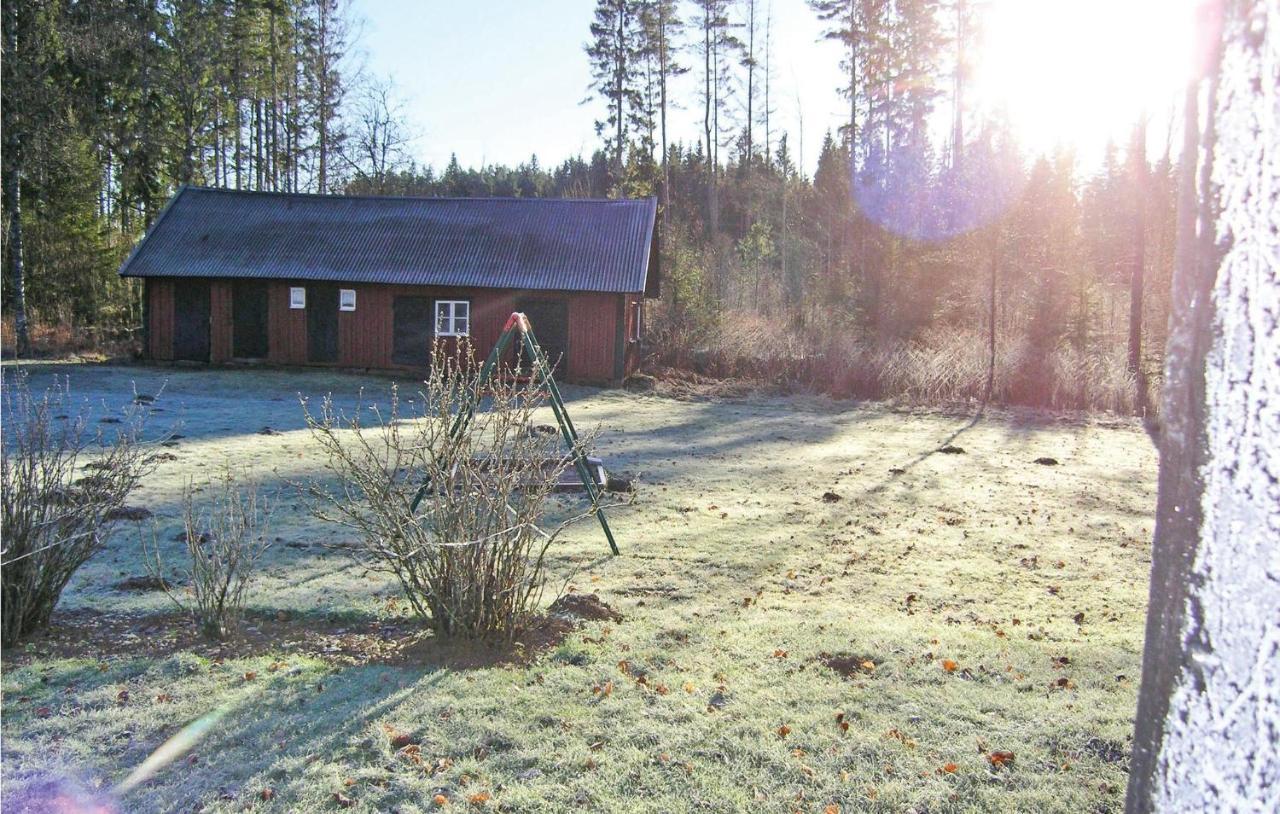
[
  {"x": 63, "y": 490},
  {"x": 224, "y": 542},
  {"x": 470, "y": 557}
]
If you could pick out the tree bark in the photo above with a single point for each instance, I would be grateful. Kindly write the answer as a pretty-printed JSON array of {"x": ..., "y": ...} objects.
[{"x": 1207, "y": 735}]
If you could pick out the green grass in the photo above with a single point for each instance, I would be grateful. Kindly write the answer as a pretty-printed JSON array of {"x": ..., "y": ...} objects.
[{"x": 735, "y": 577}]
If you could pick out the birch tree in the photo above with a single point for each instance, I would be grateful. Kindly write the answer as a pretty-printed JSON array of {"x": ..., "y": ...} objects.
[{"x": 1208, "y": 720}]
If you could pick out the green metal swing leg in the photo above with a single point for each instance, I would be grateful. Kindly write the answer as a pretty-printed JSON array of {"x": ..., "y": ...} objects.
[{"x": 542, "y": 370}]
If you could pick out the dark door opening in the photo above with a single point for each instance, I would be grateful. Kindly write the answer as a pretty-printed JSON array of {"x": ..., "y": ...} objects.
[
  {"x": 550, "y": 322},
  {"x": 322, "y": 323},
  {"x": 191, "y": 320},
  {"x": 411, "y": 330},
  {"x": 249, "y": 319}
]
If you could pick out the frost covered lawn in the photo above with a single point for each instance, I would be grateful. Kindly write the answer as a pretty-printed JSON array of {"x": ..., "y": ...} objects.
[{"x": 974, "y": 603}]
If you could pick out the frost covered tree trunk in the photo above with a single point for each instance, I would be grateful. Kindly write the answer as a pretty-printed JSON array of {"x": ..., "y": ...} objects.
[{"x": 1208, "y": 722}]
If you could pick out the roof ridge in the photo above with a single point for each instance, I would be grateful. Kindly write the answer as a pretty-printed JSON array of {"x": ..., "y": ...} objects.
[{"x": 328, "y": 196}]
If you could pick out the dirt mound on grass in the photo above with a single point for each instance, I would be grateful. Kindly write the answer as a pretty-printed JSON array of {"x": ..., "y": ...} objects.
[
  {"x": 142, "y": 583},
  {"x": 849, "y": 664},
  {"x": 134, "y": 513},
  {"x": 584, "y": 606}
]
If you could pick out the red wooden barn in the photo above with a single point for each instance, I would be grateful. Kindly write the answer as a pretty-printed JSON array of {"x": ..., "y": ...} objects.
[{"x": 372, "y": 282}]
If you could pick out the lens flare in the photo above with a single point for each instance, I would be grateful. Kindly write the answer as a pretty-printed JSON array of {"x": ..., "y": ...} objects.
[
  {"x": 57, "y": 795},
  {"x": 171, "y": 750},
  {"x": 902, "y": 193}
]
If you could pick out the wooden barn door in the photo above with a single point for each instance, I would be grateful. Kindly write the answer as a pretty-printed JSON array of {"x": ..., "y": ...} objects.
[
  {"x": 322, "y": 323},
  {"x": 249, "y": 319},
  {"x": 550, "y": 321},
  {"x": 412, "y": 329},
  {"x": 191, "y": 320}
]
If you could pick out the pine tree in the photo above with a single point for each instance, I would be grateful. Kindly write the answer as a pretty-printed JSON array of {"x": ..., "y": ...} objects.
[
  {"x": 613, "y": 51},
  {"x": 661, "y": 29}
]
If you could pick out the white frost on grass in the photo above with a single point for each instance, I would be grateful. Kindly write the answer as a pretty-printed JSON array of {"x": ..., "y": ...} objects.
[{"x": 1222, "y": 744}]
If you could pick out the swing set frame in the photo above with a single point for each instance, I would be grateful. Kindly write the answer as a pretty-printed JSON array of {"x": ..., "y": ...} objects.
[{"x": 518, "y": 329}]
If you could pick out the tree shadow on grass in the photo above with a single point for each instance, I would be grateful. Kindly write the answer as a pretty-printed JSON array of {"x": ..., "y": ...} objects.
[
  {"x": 269, "y": 738},
  {"x": 941, "y": 448}
]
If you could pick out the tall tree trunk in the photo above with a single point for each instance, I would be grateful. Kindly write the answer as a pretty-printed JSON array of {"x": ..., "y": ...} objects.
[
  {"x": 768, "y": 69},
  {"x": 239, "y": 125},
  {"x": 322, "y": 93},
  {"x": 1205, "y": 736},
  {"x": 709, "y": 127},
  {"x": 664, "y": 65},
  {"x": 273, "y": 132},
  {"x": 957, "y": 90},
  {"x": 857, "y": 257},
  {"x": 258, "y": 174},
  {"x": 992, "y": 287},
  {"x": 619, "y": 77},
  {"x": 13, "y": 148},
  {"x": 1138, "y": 162},
  {"x": 751, "y": 74},
  {"x": 853, "y": 79},
  {"x": 13, "y": 211}
]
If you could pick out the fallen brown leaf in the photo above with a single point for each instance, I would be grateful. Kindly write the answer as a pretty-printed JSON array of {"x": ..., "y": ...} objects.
[{"x": 999, "y": 759}]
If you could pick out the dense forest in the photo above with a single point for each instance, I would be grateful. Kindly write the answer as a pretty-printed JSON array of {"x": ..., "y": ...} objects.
[{"x": 928, "y": 256}]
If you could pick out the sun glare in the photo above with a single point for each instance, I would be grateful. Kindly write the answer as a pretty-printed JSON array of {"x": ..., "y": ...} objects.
[{"x": 1076, "y": 73}]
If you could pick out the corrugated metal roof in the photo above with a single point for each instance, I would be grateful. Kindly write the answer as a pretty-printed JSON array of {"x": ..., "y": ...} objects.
[{"x": 533, "y": 243}]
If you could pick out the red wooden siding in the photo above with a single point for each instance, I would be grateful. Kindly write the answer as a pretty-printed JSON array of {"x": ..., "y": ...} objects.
[
  {"x": 632, "y": 344},
  {"x": 286, "y": 328},
  {"x": 593, "y": 322},
  {"x": 365, "y": 335},
  {"x": 220, "y": 321},
  {"x": 160, "y": 319}
]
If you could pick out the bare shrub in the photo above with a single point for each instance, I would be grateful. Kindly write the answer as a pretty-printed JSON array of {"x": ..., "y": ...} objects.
[
  {"x": 470, "y": 557},
  {"x": 224, "y": 542},
  {"x": 64, "y": 488}
]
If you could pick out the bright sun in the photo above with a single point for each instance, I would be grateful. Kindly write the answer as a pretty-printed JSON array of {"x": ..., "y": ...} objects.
[{"x": 1075, "y": 73}]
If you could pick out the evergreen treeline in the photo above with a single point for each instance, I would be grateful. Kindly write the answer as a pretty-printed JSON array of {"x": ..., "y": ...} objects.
[
  {"x": 109, "y": 105},
  {"x": 927, "y": 256}
]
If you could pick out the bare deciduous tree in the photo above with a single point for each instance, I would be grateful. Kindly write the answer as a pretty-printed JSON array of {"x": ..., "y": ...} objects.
[{"x": 375, "y": 148}]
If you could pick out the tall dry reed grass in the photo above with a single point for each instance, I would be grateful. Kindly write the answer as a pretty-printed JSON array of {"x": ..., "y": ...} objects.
[
  {"x": 64, "y": 338},
  {"x": 943, "y": 366}
]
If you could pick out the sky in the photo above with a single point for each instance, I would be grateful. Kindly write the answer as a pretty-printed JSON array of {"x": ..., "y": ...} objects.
[{"x": 499, "y": 81}]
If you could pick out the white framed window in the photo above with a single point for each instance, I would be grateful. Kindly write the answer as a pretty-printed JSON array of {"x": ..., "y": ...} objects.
[
  {"x": 453, "y": 317},
  {"x": 637, "y": 320},
  {"x": 297, "y": 297},
  {"x": 346, "y": 299}
]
